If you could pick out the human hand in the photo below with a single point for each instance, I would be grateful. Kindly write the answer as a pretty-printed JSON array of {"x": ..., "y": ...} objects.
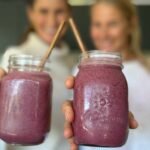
[
  {"x": 2, "y": 73},
  {"x": 69, "y": 117}
]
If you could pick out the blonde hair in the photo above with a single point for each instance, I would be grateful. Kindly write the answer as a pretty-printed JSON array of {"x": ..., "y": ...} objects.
[{"x": 130, "y": 12}]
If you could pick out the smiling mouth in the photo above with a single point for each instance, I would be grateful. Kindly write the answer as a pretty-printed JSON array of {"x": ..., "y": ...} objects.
[
  {"x": 106, "y": 45},
  {"x": 49, "y": 31}
]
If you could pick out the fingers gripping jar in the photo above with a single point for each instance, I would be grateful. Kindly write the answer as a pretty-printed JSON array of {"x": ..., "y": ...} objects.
[{"x": 101, "y": 101}]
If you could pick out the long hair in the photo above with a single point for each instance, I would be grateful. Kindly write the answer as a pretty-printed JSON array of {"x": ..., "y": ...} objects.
[
  {"x": 129, "y": 11},
  {"x": 30, "y": 28}
]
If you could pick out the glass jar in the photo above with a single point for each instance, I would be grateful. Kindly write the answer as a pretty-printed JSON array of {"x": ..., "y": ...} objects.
[
  {"x": 100, "y": 101},
  {"x": 25, "y": 104}
]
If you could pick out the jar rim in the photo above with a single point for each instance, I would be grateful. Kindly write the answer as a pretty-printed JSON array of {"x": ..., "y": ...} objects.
[
  {"x": 102, "y": 53},
  {"x": 25, "y": 60},
  {"x": 26, "y": 56},
  {"x": 102, "y": 58}
]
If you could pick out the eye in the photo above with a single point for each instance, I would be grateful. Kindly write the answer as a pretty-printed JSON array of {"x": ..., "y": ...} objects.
[
  {"x": 43, "y": 11},
  {"x": 60, "y": 11},
  {"x": 96, "y": 24},
  {"x": 113, "y": 24}
]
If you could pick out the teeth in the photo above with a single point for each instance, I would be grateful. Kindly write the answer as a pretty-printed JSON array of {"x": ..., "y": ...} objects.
[
  {"x": 50, "y": 31},
  {"x": 106, "y": 44}
]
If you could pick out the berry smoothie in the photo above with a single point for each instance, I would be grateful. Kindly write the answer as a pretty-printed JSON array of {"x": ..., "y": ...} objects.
[
  {"x": 101, "y": 106},
  {"x": 25, "y": 107}
]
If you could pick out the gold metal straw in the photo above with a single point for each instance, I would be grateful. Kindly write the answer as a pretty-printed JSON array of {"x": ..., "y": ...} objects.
[
  {"x": 78, "y": 37},
  {"x": 54, "y": 41}
]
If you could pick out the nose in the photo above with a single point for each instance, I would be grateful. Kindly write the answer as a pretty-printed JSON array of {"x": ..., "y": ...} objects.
[
  {"x": 104, "y": 32},
  {"x": 52, "y": 21}
]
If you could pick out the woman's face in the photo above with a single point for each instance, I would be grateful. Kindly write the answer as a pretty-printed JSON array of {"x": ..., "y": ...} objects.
[
  {"x": 46, "y": 16},
  {"x": 109, "y": 28}
]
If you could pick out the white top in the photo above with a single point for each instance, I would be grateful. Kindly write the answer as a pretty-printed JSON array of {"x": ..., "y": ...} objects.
[
  {"x": 59, "y": 71},
  {"x": 138, "y": 79}
]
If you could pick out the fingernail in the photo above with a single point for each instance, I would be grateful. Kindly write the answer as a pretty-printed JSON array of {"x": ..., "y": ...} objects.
[
  {"x": 136, "y": 123},
  {"x": 66, "y": 116}
]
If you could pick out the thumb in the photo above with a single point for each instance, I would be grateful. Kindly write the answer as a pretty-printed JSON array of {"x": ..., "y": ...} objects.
[{"x": 2, "y": 73}]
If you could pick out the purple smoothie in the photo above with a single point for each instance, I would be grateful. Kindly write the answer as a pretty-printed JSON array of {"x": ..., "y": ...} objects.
[
  {"x": 101, "y": 106},
  {"x": 25, "y": 107}
]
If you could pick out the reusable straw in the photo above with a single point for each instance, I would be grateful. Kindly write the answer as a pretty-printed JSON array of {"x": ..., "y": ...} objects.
[
  {"x": 78, "y": 37},
  {"x": 54, "y": 41}
]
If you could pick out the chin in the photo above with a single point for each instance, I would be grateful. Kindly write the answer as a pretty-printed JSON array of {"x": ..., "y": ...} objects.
[
  {"x": 47, "y": 40},
  {"x": 110, "y": 49}
]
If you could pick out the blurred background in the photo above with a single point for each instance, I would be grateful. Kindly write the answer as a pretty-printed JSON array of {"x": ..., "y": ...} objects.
[{"x": 13, "y": 22}]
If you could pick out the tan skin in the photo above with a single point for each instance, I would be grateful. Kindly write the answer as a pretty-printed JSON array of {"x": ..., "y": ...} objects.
[
  {"x": 109, "y": 28},
  {"x": 46, "y": 15},
  {"x": 109, "y": 31},
  {"x": 67, "y": 106},
  {"x": 69, "y": 117}
]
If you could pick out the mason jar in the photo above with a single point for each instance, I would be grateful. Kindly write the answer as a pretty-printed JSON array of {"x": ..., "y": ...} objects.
[
  {"x": 101, "y": 101},
  {"x": 25, "y": 103}
]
